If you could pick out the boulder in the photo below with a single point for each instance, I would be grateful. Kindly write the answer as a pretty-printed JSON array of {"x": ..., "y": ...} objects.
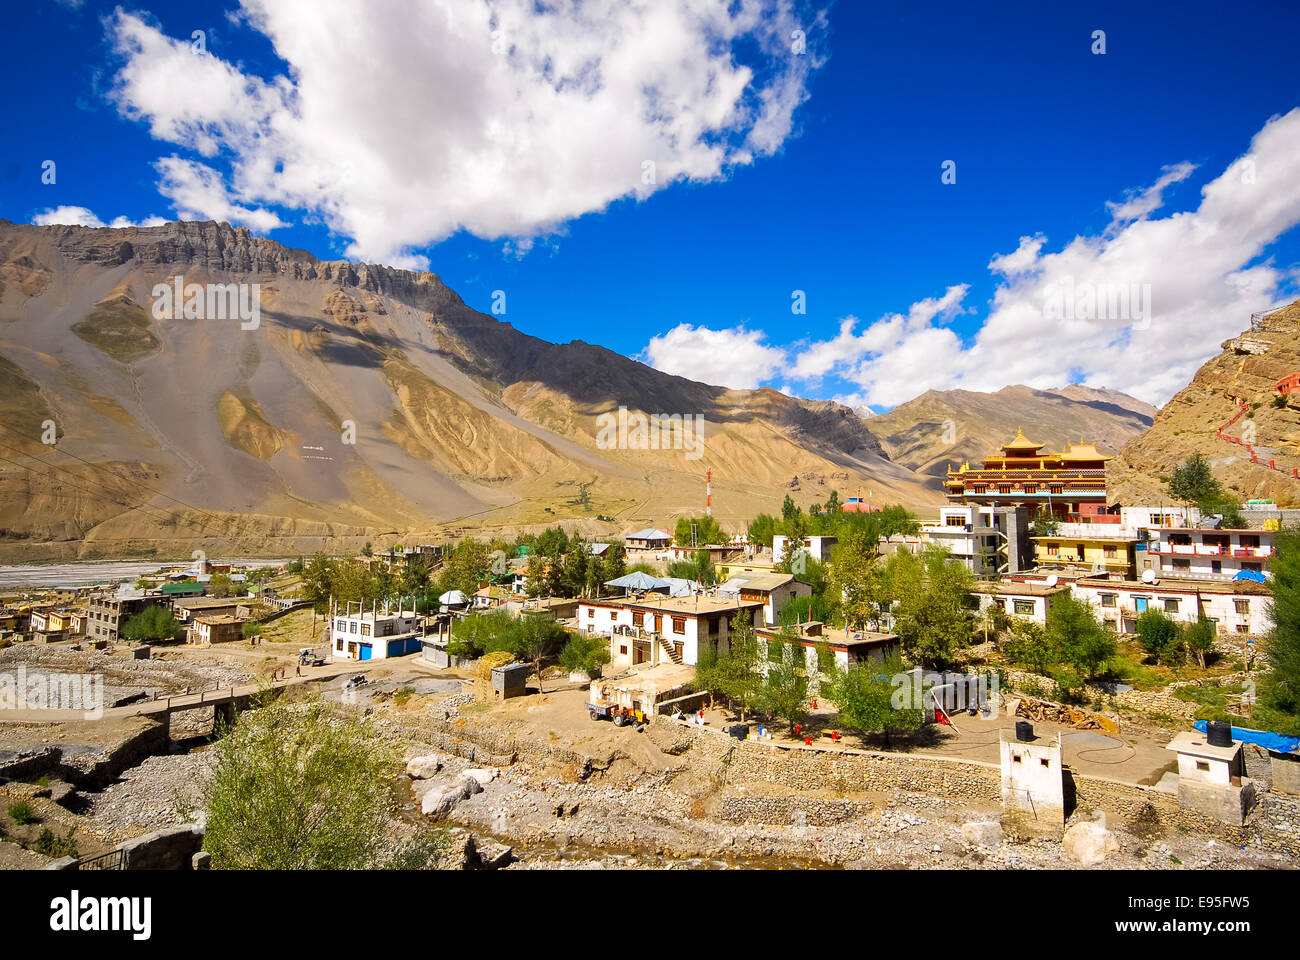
[
  {"x": 983, "y": 833},
  {"x": 491, "y": 855},
  {"x": 439, "y": 803},
  {"x": 1088, "y": 843},
  {"x": 422, "y": 768},
  {"x": 482, "y": 775}
]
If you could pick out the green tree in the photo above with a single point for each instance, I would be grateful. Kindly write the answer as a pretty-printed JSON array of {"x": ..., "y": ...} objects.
[
  {"x": 733, "y": 673},
  {"x": 762, "y": 529},
  {"x": 855, "y": 585},
  {"x": 293, "y": 788},
  {"x": 785, "y": 691},
  {"x": 220, "y": 585},
  {"x": 1193, "y": 482},
  {"x": 585, "y": 653},
  {"x": 153, "y": 623},
  {"x": 1279, "y": 690},
  {"x": 1199, "y": 637},
  {"x": 707, "y": 531},
  {"x": 865, "y": 697},
  {"x": 469, "y": 563},
  {"x": 1028, "y": 646},
  {"x": 933, "y": 598},
  {"x": 537, "y": 637},
  {"x": 1160, "y": 636},
  {"x": 1074, "y": 630}
]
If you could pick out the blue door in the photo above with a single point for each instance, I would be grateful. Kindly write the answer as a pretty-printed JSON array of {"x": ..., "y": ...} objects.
[
  {"x": 1140, "y": 603},
  {"x": 365, "y": 651}
]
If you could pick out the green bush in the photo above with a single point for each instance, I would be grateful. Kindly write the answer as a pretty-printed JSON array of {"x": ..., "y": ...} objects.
[
  {"x": 50, "y": 845},
  {"x": 22, "y": 813}
]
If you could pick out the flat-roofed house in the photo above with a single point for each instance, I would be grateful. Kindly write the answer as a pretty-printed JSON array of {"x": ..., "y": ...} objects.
[
  {"x": 206, "y": 630},
  {"x": 772, "y": 590},
  {"x": 656, "y": 629}
]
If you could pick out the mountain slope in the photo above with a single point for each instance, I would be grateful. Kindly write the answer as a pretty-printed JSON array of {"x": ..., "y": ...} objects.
[
  {"x": 947, "y": 427},
  {"x": 1246, "y": 372},
  {"x": 368, "y": 404}
]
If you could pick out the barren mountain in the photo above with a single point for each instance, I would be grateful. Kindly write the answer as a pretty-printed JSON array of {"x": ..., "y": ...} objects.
[
  {"x": 1239, "y": 383},
  {"x": 943, "y": 428},
  {"x": 369, "y": 403}
]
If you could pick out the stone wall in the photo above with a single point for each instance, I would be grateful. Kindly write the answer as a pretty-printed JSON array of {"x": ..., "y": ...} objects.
[{"x": 798, "y": 771}]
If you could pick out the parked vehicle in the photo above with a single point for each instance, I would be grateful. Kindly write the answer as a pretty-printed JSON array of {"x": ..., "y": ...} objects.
[{"x": 612, "y": 711}]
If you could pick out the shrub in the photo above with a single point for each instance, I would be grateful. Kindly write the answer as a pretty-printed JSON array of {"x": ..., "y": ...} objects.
[
  {"x": 22, "y": 813},
  {"x": 52, "y": 846},
  {"x": 584, "y": 653},
  {"x": 401, "y": 697}
]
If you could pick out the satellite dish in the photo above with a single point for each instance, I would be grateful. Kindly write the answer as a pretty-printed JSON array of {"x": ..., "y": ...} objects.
[
  {"x": 1148, "y": 576},
  {"x": 1052, "y": 580}
]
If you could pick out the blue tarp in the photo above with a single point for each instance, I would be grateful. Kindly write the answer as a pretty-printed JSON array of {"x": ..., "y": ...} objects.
[
  {"x": 1269, "y": 741},
  {"x": 1251, "y": 575}
]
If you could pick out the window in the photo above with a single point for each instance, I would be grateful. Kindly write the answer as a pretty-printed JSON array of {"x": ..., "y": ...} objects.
[
  {"x": 1216, "y": 566},
  {"x": 1109, "y": 599},
  {"x": 638, "y": 619},
  {"x": 352, "y": 627},
  {"x": 1243, "y": 628},
  {"x": 1182, "y": 565},
  {"x": 1108, "y": 551},
  {"x": 1015, "y": 758},
  {"x": 1243, "y": 606},
  {"x": 1031, "y": 488},
  {"x": 365, "y": 629},
  {"x": 1056, "y": 490},
  {"x": 622, "y": 649},
  {"x": 1053, "y": 549},
  {"x": 1004, "y": 488},
  {"x": 679, "y": 624},
  {"x": 1171, "y": 605},
  {"x": 1045, "y": 762},
  {"x": 1024, "y": 608},
  {"x": 1203, "y": 766}
]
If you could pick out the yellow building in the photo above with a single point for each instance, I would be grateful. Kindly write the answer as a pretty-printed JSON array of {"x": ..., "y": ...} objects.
[{"x": 1115, "y": 554}]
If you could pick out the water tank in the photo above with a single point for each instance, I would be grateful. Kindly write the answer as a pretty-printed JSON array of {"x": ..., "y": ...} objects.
[
  {"x": 1024, "y": 731},
  {"x": 1218, "y": 733}
]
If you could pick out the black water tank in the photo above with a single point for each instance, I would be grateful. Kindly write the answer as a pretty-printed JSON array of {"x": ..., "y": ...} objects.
[
  {"x": 1024, "y": 730},
  {"x": 1218, "y": 733}
]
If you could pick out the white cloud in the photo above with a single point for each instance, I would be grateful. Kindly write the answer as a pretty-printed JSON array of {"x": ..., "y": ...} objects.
[
  {"x": 733, "y": 357},
  {"x": 405, "y": 126},
  {"x": 85, "y": 217},
  {"x": 197, "y": 193},
  {"x": 1199, "y": 269}
]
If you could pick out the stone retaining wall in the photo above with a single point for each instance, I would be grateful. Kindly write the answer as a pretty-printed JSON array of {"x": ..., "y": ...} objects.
[{"x": 1275, "y": 825}]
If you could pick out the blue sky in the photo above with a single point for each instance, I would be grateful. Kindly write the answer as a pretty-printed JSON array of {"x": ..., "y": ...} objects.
[{"x": 835, "y": 191}]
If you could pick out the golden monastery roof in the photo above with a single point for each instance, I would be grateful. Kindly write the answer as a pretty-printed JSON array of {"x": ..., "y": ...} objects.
[{"x": 1021, "y": 443}]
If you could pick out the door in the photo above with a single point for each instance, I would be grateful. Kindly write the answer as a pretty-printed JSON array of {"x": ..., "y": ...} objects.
[
  {"x": 365, "y": 651},
  {"x": 1140, "y": 603}
]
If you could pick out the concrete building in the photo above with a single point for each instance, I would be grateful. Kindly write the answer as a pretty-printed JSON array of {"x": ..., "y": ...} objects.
[
  {"x": 1019, "y": 598},
  {"x": 817, "y": 548},
  {"x": 1212, "y": 779},
  {"x": 657, "y": 629},
  {"x": 650, "y": 538},
  {"x": 844, "y": 648},
  {"x": 773, "y": 590},
  {"x": 375, "y": 635},
  {"x": 1205, "y": 553},
  {"x": 219, "y": 628},
  {"x": 510, "y": 680},
  {"x": 187, "y": 608},
  {"x": 107, "y": 612},
  {"x": 991, "y": 541},
  {"x": 1070, "y": 484},
  {"x": 1033, "y": 787},
  {"x": 1233, "y": 606}
]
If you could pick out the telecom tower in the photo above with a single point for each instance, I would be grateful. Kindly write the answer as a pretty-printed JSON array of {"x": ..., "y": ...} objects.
[{"x": 708, "y": 492}]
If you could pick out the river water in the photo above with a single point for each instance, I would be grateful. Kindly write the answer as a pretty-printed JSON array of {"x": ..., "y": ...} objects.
[{"x": 89, "y": 572}]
